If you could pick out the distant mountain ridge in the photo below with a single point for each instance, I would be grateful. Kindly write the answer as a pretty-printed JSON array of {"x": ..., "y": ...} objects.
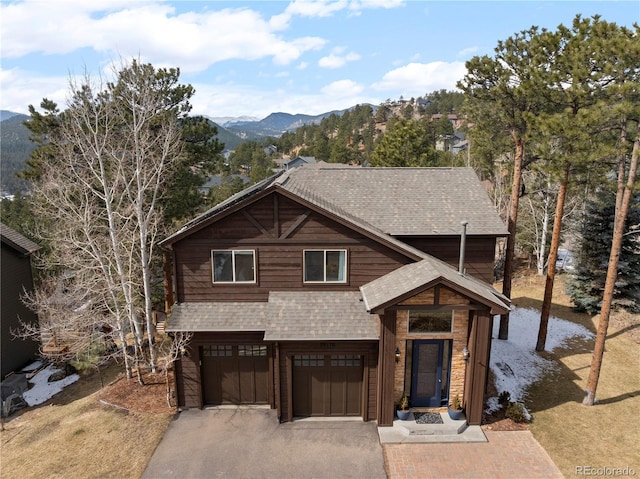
[
  {"x": 6, "y": 114},
  {"x": 277, "y": 123},
  {"x": 232, "y": 131}
]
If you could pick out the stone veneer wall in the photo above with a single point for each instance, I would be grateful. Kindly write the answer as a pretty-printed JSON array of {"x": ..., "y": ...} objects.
[{"x": 459, "y": 337}]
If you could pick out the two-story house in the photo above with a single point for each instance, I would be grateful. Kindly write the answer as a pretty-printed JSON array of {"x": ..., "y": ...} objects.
[{"x": 329, "y": 290}]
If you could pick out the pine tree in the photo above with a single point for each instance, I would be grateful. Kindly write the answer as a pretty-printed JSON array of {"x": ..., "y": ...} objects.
[{"x": 585, "y": 286}]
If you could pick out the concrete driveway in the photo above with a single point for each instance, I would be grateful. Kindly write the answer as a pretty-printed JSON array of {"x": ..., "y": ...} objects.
[{"x": 249, "y": 442}]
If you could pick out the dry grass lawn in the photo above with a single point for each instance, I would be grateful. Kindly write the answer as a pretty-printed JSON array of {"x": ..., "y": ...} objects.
[
  {"x": 75, "y": 435},
  {"x": 604, "y": 435}
]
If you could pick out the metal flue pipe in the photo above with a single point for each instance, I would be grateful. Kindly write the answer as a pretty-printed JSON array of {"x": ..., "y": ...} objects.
[{"x": 463, "y": 245}]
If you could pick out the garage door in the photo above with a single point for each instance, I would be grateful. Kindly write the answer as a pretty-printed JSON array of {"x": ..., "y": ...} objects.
[
  {"x": 235, "y": 374},
  {"x": 327, "y": 385}
]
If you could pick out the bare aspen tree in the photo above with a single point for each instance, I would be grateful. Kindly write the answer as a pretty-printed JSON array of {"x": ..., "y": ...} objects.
[{"x": 109, "y": 160}]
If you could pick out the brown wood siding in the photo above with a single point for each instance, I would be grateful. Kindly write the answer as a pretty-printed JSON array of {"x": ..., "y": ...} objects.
[
  {"x": 479, "y": 254},
  {"x": 368, "y": 349},
  {"x": 477, "y": 369},
  {"x": 16, "y": 278},
  {"x": 386, "y": 367},
  {"x": 279, "y": 260},
  {"x": 372, "y": 385},
  {"x": 190, "y": 391}
]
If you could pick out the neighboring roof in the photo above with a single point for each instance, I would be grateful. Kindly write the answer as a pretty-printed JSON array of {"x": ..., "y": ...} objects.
[
  {"x": 412, "y": 278},
  {"x": 314, "y": 315},
  {"x": 319, "y": 315},
  {"x": 300, "y": 161},
  {"x": 217, "y": 180},
  {"x": 18, "y": 242}
]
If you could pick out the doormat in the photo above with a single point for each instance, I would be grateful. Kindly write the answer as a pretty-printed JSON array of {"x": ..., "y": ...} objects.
[{"x": 428, "y": 417}]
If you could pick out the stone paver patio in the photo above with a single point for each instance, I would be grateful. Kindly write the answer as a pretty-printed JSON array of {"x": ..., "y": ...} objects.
[{"x": 506, "y": 455}]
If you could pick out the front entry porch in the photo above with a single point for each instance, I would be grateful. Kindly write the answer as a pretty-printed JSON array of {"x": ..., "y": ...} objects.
[{"x": 411, "y": 432}]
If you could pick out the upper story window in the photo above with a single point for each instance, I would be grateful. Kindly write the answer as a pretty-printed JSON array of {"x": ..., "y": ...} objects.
[
  {"x": 233, "y": 266},
  {"x": 325, "y": 266},
  {"x": 430, "y": 321}
]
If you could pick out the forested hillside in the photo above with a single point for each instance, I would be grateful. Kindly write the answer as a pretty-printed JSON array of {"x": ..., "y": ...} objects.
[
  {"x": 423, "y": 131},
  {"x": 15, "y": 148}
]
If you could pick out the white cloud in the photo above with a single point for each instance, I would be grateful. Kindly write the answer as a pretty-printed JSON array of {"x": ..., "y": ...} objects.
[
  {"x": 317, "y": 8},
  {"x": 326, "y": 8},
  {"x": 338, "y": 58},
  {"x": 194, "y": 40},
  {"x": 357, "y": 5},
  {"x": 21, "y": 89},
  {"x": 467, "y": 51},
  {"x": 237, "y": 100},
  {"x": 418, "y": 78},
  {"x": 342, "y": 89}
]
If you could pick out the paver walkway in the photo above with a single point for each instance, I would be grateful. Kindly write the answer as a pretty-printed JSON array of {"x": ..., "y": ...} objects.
[{"x": 507, "y": 455}]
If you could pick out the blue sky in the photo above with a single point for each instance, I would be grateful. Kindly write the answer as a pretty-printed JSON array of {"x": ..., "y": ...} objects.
[{"x": 254, "y": 58}]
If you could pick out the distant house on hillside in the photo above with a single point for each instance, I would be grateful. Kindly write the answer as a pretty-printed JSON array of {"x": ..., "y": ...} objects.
[
  {"x": 270, "y": 150},
  {"x": 283, "y": 164},
  {"x": 454, "y": 143},
  {"x": 218, "y": 180},
  {"x": 16, "y": 278},
  {"x": 423, "y": 103},
  {"x": 299, "y": 161}
]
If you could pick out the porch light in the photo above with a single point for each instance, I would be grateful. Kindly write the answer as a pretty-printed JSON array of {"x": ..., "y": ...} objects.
[
  {"x": 398, "y": 355},
  {"x": 465, "y": 354}
]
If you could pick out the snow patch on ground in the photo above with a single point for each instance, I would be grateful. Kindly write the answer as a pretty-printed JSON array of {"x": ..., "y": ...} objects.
[
  {"x": 515, "y": 363},
  {"x": 42, "y": 389}
]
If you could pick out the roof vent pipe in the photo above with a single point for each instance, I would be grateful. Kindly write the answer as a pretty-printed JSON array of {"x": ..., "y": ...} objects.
[{"x": 463, "y": 244}]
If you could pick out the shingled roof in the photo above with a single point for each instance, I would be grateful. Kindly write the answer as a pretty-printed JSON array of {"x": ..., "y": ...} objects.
[
  {"x": 18, "y": 242},
  {"x": 308, "y": 315},
  {"x": 401, "y": 201},
  {"x": 409, "y": 279},
  {"x": 388, "y": 201}
]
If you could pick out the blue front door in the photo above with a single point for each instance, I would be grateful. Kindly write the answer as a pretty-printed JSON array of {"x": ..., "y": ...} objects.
[{"x": 426, "y": 374}]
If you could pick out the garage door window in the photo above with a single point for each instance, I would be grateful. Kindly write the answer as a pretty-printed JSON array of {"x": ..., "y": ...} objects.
[
  {"x": 252, "y": 350},
  {"x": 217, "y": 350},
  {"x": 308, "y": 360},
  {"x": 346, "y": 360}
]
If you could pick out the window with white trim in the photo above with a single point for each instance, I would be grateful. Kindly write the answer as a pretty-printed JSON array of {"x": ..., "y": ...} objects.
[
  {"x": 233, "y": 266},
  {"x": 325, "y": 266}
]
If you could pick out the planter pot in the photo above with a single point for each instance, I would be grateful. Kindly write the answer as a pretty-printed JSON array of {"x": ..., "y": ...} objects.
[
  {"x": 455, "y": 414},
  {"x": 403, "y": 415}
]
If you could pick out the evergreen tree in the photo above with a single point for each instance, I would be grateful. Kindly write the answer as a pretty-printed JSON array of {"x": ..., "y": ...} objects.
[
  {"x": 586, "y": 284},
  {"x": 404, "y": 144}
]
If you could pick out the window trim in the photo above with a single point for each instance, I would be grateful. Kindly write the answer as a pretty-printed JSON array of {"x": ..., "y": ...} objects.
[
  {"x": 439, "y": 333},
  {"x": 233, "y": 266},
  {"x": 325, "y": 251}
]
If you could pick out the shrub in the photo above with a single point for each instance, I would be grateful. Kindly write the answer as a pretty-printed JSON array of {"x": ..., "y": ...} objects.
[
  {"x": 516, "y": 412},
  {"x": 504, "y": 398}
]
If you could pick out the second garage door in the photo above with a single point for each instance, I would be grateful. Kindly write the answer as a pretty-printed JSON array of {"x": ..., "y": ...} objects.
[
  {"x": 327, "y": 385},
  {"x": 235, "y": 374}
]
